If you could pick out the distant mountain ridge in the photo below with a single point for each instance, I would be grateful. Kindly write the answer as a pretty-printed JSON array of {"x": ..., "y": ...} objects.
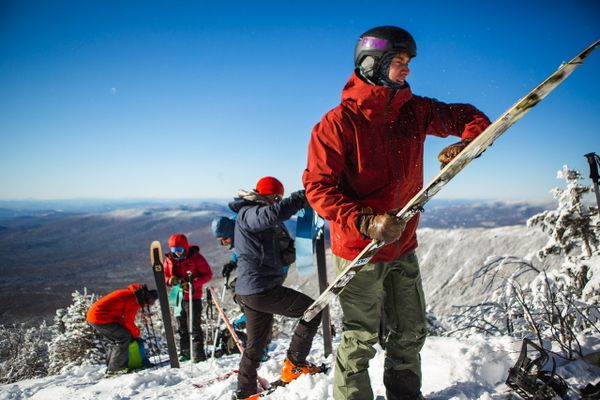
[
  {"x": 46, "y": 253},
  {"x": 473, "y": 214}
]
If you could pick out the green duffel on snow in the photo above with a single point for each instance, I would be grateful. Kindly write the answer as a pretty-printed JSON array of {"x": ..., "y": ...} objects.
[{"x": 137, "y": 356}]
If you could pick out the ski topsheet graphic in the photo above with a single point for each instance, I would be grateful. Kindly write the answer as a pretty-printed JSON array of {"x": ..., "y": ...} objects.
[
  {"x": 163, "y": 298},
  {"x": 473, "y": 150}
]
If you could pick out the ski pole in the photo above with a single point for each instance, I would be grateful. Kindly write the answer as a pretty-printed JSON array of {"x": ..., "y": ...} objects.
[
  {"x": 209, "y": 314},
  {"x": 151, "y": 332},
  {"x": 216, "y": 326},
  {"x": 209, "y": 310},
  {"x": 190, "y": 316},
  {"x": 594, "y": 161}
]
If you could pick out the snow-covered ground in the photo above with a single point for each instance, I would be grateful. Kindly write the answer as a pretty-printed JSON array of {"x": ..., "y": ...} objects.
[
  {"x": 461, "y": 369},
  {"x": 453, "y": 369}
]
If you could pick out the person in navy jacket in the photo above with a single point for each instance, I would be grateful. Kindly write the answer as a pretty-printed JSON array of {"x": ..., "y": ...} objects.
[{"x": 263, "y": 247}]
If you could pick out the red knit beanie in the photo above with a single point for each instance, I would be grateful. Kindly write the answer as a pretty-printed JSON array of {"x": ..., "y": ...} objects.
[{"x": 269, "y": 185}]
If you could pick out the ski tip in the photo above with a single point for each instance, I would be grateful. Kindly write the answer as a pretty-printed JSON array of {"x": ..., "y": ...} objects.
[
  {"x": 589, "y": 50},
  {"x": 156, "y": 256}
]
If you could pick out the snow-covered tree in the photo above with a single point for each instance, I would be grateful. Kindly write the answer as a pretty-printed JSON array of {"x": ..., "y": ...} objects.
[
  {"x": 573, "y": 226},
  {"x": 557, "y": 305},
  {"x": 74, "y": 341},
  {"x": 23, "y": 352}
]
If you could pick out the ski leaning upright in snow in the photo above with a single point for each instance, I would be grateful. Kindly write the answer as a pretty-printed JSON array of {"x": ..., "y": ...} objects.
[
  {"x": 311, "y": 227},
  {"x": 163, "y": 298},
  {"x": 473, "y": 150}
]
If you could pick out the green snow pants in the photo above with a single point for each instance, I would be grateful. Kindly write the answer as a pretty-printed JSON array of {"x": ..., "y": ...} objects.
[{"x": 395, "y": 287}]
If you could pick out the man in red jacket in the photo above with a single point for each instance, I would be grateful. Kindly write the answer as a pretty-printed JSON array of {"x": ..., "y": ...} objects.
[
  {"x": 365, "y": 161},
  {"x": 113, "y": 316},
  {"x": 182, "y": 259}
]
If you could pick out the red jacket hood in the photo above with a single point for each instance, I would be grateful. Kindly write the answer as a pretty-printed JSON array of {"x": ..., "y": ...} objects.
[
  {"x": 372, "y": 99},
  {"x": 133, "y": 287},
  {"x": 179, "y": 240}
]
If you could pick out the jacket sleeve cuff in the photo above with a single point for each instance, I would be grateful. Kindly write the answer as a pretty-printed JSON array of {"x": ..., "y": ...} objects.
[{"x": 475, "y": 127}]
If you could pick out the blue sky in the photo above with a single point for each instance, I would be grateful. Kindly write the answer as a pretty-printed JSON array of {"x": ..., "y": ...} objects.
[{"x": 174, "y": 99}]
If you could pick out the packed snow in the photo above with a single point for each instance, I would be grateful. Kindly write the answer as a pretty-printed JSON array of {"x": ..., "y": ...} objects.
[
  {"x": 473, "y": 368},
  {"x": 453, "y": 368}
]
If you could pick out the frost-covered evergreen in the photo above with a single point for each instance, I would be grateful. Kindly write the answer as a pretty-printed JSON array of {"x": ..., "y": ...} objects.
[
  {"x": 572, "y": 227},
  {"x": 558, "y": 305},
  {"x": 74, "y": 342},
  {"x": 23, "y": 352}
]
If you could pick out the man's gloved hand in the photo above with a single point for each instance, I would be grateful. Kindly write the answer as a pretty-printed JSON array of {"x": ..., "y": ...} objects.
[
  {"x": 299, "y": 198},
  {"x": 139, "y": 340},
  {"x": 383, "y": 227},
  {"x": 174, "y": 280},
  {"x": 450, "y": 152},
  {"x": 227, "y": 268}
]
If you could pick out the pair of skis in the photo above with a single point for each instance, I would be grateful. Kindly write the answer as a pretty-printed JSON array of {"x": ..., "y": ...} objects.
[{"x": 472, "y": 151}]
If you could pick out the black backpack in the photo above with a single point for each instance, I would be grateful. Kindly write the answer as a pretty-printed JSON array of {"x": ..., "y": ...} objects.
[{"x": 286, "y": 244}]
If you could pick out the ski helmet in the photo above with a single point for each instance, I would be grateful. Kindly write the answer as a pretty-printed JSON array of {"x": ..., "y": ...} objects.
[
  {"x": 376, "y": 48},
  {"x": 269, "y": 185}
]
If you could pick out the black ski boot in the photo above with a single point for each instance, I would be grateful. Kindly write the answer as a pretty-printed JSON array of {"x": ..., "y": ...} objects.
[{"x": 402, "y": 385}]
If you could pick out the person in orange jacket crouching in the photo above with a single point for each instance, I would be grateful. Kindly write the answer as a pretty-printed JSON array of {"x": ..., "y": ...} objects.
[{"x": 113, "y": 316}]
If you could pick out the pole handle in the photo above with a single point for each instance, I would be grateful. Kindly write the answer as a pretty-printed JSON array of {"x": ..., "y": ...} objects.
[
  {"x": 190, "y": 282},
  {"x": 594, "y": 162}
]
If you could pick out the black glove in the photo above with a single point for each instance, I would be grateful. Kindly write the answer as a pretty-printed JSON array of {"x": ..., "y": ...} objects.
[
  {"x": 227, "y": 268},
  {"x": 383, "y": 227},
  {"x": 299, "y": 198},
  {"x": 139, "y": 340}
]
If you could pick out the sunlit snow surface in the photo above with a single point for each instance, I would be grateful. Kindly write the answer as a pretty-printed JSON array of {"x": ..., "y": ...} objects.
[{"x": 453, "y": 369}]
